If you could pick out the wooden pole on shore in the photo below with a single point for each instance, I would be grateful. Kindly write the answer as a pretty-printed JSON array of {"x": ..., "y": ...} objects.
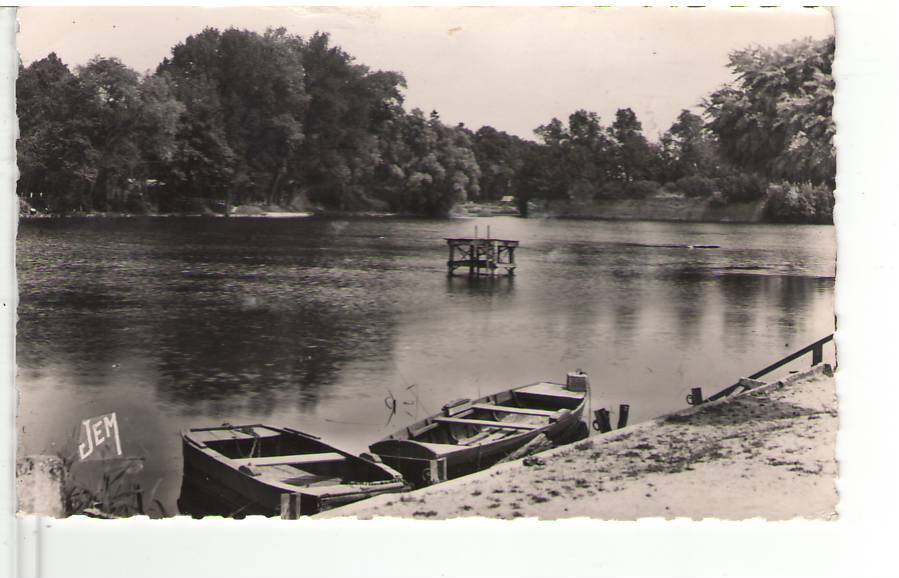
[
  {"x": 601, "y": 421},
  {"x": 623, "y": 411}
]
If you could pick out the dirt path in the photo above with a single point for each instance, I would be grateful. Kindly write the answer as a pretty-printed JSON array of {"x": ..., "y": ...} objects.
[{"x": 766, "y": 454}]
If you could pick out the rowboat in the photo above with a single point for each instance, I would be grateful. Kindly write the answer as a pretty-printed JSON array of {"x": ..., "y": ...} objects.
[
  {"x": 468, "y": 436},
  {"x": 246, "y": 470}
]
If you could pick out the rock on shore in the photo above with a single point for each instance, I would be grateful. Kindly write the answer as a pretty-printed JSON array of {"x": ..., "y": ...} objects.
[{"x": 767, "y": 453}]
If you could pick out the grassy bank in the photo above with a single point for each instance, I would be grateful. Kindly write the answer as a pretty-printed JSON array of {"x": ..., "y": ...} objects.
[{"x": 768, "y": 453}]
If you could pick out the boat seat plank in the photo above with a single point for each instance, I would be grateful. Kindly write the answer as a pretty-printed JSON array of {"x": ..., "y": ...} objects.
[
  {"x": 291, "y": 460},
  {"x": 486, "y": 423},
  {"x": 550, "y": 389},
  {"x": 414, "y": 433},
  {"x": 440, "y": 449},
  {"x": 476, "y": 437},
  {"x": 311, "y": 481},
  {"x": 292, "y": 476},
  {"x": 521, "y": 410},
  {"x": 214, "y": 435},
  {"x": 222, "y": 434},
  {"x": 488, "y": 435}
]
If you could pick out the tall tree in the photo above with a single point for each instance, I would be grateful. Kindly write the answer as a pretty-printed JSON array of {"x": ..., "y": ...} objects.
[
  {"x": 580, "y": 155},
  {"x": 688, "y": 149},
  {"x": 499, "y": 156},
  {"x": 427, "y": 166},
  {"x": 261, "y": 83},
  {"x": 246, "y": 91},
  {"x": 157, "y": 129},
  {"x": 203, "y": 164},
  {"x": 56, "y": 158},
  {"x": 776, "y": 118},
  {"x": 114, "y": 109},
  {"x": 634, "y": 158},
  {"x": 348, "y": 107}
]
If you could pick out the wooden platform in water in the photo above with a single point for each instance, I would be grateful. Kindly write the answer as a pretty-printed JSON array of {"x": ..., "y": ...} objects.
[
  {"x": 481, "y": 256},
  {"x": 480, "y": 241}
]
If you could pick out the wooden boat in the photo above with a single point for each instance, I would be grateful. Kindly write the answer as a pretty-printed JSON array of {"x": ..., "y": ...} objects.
[
  {"x": 468, "y": 436},
  {"x": 246, "y": 469}
]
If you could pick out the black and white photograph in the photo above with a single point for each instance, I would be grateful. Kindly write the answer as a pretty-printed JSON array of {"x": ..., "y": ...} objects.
[{"x": 427, "y": 263}]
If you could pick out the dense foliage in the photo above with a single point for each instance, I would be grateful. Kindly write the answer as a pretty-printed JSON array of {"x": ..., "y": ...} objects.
[
  {"x": 236, "y": 117},
  {"x": 777, "y": 119}
]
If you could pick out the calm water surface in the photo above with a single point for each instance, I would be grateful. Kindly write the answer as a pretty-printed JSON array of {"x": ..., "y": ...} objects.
[{"x": 176, "y": 323}]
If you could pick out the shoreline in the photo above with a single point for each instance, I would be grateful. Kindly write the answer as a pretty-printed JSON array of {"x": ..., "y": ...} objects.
[
  {"x": 668, "y": 209},
  {"x": 385, "y": 215},
  {"x": 769, "y": 452}
]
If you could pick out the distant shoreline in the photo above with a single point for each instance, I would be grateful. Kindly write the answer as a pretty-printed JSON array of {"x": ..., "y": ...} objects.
[
  {"x": 371, "y": 215},
  {"x": 663, "y": 210}
]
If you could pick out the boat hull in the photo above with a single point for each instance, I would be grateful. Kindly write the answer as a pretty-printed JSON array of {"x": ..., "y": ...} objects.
[
  {"x": 422, "y": 463},
  {"x": 214, "y": 484}
]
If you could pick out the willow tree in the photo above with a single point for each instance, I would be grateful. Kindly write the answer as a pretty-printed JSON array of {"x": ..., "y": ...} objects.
[{"x": 776, "y": 118}]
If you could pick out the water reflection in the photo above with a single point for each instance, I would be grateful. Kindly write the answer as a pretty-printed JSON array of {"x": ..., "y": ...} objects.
[
  {"x": 251, "y": 356},
  {"x": 484, "y": 285},
  {"x": 689, "y": 296},
  {"x": 740, "y": 293}
]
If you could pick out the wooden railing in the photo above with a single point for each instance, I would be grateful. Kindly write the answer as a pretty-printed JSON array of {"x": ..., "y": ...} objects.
[{"x": 816, "y": 349}]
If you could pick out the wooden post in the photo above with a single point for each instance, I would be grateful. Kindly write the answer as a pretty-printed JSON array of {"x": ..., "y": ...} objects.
[
  {"x": 818, "y": 354},
  {"x": 602, "y": 423},
  {"x": 290, "y": 506},
  {"x": 818, "y": 344},
  {"x": 435, "y": 472},
  {"x": 623, "y": 410},
  {"x": 817, "y": 349}
]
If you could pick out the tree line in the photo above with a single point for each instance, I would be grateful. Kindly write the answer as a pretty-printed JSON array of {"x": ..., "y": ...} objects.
[{"x": 236, "y": 117}]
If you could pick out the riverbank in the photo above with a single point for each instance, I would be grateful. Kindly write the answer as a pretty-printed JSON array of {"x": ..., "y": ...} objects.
[
  {"x": 663, "y": 209},
  {"x": 667, "y": 208},
  {"x": 767, "y": 453}
]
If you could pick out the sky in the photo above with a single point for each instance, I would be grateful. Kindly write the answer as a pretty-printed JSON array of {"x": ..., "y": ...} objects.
[{"x": 510, "y": 68}]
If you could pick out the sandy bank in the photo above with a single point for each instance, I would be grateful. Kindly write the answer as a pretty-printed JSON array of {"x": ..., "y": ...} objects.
[{"x": 768, "y": 453}]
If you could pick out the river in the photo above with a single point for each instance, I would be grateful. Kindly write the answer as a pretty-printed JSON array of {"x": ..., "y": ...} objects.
[{"x": 309, "y": 322}]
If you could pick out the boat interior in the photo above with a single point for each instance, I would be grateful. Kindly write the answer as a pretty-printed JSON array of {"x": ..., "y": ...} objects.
[
  {"x": 286, "y": 456},
  {"x": 490, "y": 419}
]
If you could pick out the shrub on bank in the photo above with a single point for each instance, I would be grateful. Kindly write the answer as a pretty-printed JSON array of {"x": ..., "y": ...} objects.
[
  {"x": 137, "y": 203},
  {"x": 617, "y": 190},
  {"x": 641, "y": 189},
  {"x": 609, "y": 190},
  {"x": 581, "y": 192},
  {"x": 802, "y": 203},
  {"x": 696, "y": 186},
  {"x": 743, "y": 187},
  {"x": 718, "y": 199}
]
